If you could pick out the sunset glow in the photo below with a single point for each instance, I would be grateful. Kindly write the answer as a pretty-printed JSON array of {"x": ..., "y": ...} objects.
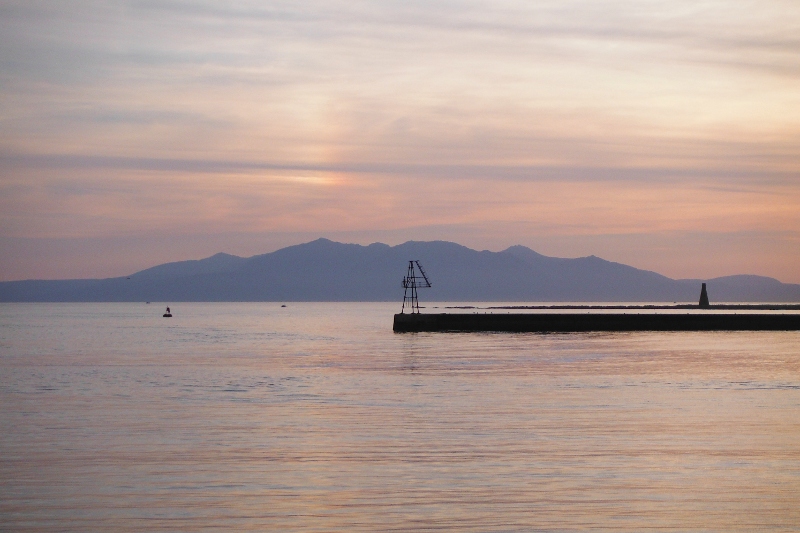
[{"x": 664, "y": 135}]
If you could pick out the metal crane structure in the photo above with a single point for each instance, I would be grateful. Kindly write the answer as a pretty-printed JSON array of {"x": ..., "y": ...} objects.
[{"x": 411, "y": 282}]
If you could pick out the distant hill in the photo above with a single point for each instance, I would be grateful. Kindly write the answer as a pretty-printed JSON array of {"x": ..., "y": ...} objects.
[{"x": 324, "y": 270}]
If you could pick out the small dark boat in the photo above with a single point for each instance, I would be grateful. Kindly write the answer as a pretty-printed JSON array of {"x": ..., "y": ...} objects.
[{"x": 168, "y": 314}]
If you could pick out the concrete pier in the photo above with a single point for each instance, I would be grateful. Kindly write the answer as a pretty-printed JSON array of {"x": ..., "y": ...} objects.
[{"x": 576, "y": 322}]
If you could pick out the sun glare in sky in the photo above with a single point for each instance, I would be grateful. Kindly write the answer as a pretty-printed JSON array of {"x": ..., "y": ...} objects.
[{"x": 660, "y": 134}]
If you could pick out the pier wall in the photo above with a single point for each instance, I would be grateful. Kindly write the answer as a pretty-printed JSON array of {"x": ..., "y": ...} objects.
[{"x": 575, "y": 322}]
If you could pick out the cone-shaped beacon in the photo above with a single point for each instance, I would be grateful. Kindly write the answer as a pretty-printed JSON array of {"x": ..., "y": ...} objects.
[{"x": 704, "y": 297}]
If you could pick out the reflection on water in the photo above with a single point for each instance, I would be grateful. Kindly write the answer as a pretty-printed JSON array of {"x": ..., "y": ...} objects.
[{"x": 316, "y": 417}]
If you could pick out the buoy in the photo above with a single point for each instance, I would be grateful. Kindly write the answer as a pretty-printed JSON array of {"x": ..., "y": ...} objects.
[{"x": 167, "y": 314}]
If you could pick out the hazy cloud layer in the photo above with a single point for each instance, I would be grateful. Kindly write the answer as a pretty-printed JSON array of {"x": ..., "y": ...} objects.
[{"x": 636, "y": 131}]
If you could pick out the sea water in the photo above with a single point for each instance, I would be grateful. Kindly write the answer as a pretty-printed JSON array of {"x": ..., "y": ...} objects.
[{"x": 317, "y": 417}]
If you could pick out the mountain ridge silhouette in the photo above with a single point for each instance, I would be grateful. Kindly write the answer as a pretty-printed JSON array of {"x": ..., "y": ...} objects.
[{"x": 324, "y": 270}]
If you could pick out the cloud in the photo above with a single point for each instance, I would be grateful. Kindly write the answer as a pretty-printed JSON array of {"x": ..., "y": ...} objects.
[
  {"x": 570, "y": 117},
  {"x": 719, "y": 178}
]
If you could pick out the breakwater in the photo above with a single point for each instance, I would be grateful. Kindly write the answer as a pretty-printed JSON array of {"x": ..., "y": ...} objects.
[{"x": 577, "y": 322}]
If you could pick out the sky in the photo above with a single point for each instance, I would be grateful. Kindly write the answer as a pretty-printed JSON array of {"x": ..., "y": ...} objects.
[{"x": 660, "y": 134}]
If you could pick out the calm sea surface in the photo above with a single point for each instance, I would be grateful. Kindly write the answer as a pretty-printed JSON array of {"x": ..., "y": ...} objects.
[{"x": 316, "y": 417}]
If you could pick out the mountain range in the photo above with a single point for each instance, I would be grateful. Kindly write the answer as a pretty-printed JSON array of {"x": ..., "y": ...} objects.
[{"x": 324, "y": 270}]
